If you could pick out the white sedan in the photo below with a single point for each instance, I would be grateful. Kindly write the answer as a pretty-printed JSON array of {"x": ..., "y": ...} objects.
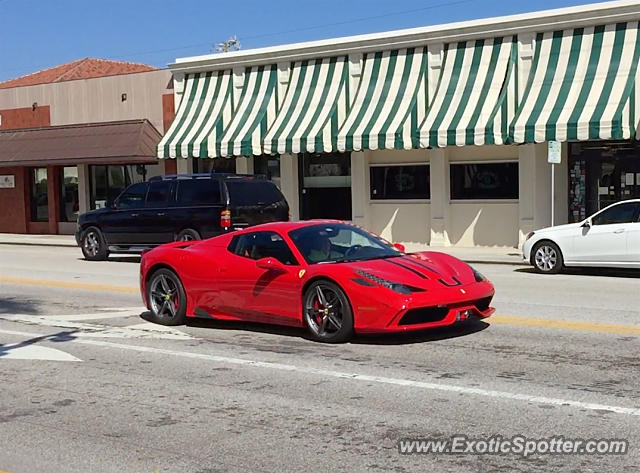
[{"x": 610, "y": 238}]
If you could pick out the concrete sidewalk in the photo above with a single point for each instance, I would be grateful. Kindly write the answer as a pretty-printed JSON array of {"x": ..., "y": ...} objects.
[{"x": 489, "y": 255}]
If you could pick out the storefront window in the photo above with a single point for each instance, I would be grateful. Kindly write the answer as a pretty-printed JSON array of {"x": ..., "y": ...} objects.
[
  {"x": 400, "y": 182},
  {"x": 69, "y": 203},
  {"x": 485, "y": 181},
  {"x": 207, "y": 165},
  {"x": 39, "y": 196},
  {"x": 269, "y": 166},
  {"x": 325, "y": 190},
  {"x": 108, "y": 182},
  {"x": 601, "y": 173}
]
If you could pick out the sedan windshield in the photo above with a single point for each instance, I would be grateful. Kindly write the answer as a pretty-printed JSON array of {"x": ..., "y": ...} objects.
[{"x": 333, "y": 243}]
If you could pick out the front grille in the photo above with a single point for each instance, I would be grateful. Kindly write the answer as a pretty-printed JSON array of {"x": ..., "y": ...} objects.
[
  {"x": 483, "y": 304},
  {"x": 424, "y": 315}
]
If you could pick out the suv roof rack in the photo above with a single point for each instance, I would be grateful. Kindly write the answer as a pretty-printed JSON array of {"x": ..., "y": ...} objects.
[{"x": 224, "y": 175}]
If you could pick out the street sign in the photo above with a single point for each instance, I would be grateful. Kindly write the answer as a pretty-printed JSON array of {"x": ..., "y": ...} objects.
[{"x": 553, "y": 155}]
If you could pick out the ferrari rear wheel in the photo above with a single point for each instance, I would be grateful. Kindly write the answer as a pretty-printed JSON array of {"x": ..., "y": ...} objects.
[
  {"x": 167, "y": 298},
  {"x": 327, "y": 312}
]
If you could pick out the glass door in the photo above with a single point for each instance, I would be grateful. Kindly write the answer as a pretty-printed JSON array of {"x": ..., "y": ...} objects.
[{"x": 325, "y": 186}]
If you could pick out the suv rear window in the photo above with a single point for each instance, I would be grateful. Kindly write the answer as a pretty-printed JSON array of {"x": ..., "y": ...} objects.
[
  {"x": 198, "y": 192},
  {"x": 252, "y": 192},
  {"x": 159, "y": 193}
]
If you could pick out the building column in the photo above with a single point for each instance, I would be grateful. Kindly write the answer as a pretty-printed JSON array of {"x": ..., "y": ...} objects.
[
  {"x": 359, "y": 188},
  {"x": 185, "y": 165},
  {"x": 289, "y": 183},
  {"x": 84, "y": 188},
  {"x": 439, "y": 181},
  {"x": 53, "y": 198},
  {"x": 535, "y": 188},
  {"x": 244, "y": 165}
]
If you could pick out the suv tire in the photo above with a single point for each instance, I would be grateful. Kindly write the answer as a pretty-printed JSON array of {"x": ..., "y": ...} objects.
[
  {"x": 94, "y": 247},
  {"x": 188, "y": 234}
]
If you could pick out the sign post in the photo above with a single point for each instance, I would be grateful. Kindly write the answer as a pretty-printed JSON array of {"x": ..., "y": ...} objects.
[{"x": 553, "y": 157}]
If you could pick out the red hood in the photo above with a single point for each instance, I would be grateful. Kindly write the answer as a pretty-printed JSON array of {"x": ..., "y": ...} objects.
[{"x": 421, "y": 269}]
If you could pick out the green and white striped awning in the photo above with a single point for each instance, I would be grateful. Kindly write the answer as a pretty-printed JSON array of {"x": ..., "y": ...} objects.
[
  {"x": 255, "y": 113},
  {"x": 476, "y": 96},
  {"x": 205, "y": 107},
  {"x": 313, "y": 110},
  {"x": 582, "y": 86},
  {"x": 389, "y": 104}
]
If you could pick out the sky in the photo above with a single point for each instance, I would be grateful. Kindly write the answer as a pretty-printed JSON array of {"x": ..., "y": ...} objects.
[{"x": 38, "y": 34}]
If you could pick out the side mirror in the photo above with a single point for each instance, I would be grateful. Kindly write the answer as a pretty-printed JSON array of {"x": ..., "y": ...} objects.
[
  {"x": 399, "y": 246},
  {"x": 110, "y": 204},
  {"x": 586, "y": 224},
  {"x": 270, "y": 264}
]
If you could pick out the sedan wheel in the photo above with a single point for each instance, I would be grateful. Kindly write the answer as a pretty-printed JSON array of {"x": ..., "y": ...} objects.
[
  {"x": 167, "y": 298},
  {"x": 547, "y": 258},
  {"x": 327, "y": 312}
]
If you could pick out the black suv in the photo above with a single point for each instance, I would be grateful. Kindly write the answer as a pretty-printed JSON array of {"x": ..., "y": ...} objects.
[{"x": 178, "y": 207}]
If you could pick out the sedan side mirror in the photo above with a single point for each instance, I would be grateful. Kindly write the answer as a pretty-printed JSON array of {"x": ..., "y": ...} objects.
[
  {"x": 399, "y": 246},
  {"x": 270, "y": 264},
  {"x": 586, "y": 224}
]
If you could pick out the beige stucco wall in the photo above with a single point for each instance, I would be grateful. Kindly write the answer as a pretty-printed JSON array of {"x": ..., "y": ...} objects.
[
  {"x": 97, "y": 100},
  {"x": 483, "y": 224}
]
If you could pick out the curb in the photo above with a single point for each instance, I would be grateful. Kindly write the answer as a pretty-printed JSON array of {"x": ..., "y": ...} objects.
[{"x": 28, "y": 243}]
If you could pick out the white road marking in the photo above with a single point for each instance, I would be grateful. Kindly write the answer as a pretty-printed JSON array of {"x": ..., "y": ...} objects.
[
  {"x": 634, "y": 411},
  {"x": 34, "y": 352},
  {"x": 143, "y": 330}
]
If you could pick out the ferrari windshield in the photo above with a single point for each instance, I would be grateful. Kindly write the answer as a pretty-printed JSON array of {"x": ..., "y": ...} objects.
[{"x": 332, "y": 243}]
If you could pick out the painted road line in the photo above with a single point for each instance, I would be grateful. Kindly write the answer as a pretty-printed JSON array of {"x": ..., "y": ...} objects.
[
  {"x": 70, "y": 285},
  {"x": 577, "y": 325},
  {"x": 145, "y": 330},
  {"x": 424, "y": 385},
  {"x": 16, "y": 351}
]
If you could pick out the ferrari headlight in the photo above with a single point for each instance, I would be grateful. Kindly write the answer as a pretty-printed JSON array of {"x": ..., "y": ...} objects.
[
  {"x": 478, "y": 276},
  {"x": 394, "y": 286}
]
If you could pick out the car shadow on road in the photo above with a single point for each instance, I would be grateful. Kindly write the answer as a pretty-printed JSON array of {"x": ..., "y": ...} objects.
[
  {"x": 604, "y": 272},
  {"x": 13, "y": 305},
  {"x": 461, "y": 329},
  {"x": 117, "y": 259}
]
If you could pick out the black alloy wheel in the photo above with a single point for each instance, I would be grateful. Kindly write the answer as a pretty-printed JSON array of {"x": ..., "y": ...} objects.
[
  {"x": 327, "y": 312},
  {"x": 167, "y": 298}
]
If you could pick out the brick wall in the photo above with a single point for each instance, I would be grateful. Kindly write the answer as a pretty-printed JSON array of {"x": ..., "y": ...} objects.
[
  {"x": 14, "y": 203},
  {"x": 14, "y": 118}
]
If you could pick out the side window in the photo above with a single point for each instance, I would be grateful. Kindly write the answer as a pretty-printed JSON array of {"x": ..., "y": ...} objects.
[
  {"x": 198, "y": 192},
  {"x": 623, "y": 213},
  {"x": 251, "y": 192},
  {"x": 159, "y": 194},
  {"x": 133, "y": 196},
  {"x": 262, "y": 245}
]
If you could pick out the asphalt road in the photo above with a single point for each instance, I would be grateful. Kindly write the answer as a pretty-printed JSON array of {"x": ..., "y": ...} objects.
[{"x": 89, "y": 386}]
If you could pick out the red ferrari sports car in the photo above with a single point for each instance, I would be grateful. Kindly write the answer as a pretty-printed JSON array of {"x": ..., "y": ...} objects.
[{"x": 331, "y": 277}]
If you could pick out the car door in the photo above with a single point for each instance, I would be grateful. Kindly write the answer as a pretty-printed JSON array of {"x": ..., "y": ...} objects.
[
  {"x": 633, "y": 239},
  {"x": 604, "y": 238},
  {"x": 258, "y": 294},
  {"x": 122, "y": 225},
  {"x": 156, "y": 222},
  {"x": 198, "y": 203}
]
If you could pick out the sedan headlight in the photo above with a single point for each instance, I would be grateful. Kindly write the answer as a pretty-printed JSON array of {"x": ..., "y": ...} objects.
[
  {"x": 394, "y": 286},
  {"x": 479, "y": 277},
  {"x": 529, "y": 235}
]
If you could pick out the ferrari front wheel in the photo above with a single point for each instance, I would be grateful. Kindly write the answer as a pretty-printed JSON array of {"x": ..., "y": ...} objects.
[
  {"x": 327, "y": 312},
  {"x": 167, "y": 298}
]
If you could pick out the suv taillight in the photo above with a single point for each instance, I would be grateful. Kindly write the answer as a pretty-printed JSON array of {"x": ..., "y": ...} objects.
[{"x": 225, "y": 219}]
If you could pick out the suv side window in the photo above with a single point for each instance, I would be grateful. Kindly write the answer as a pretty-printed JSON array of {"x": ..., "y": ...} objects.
[
  {"x": 623, "y": 213},
  {"x": 262, "y": 245},
  {"x": 252, "y": 191},
  {"x": 133, "y": 196},
  {"x": 197, "y": 192},
  {"x": 159, "y": 194}
]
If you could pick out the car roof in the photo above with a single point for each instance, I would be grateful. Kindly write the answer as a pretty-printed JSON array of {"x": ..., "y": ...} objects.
[{"x": 286, "y": 227}]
